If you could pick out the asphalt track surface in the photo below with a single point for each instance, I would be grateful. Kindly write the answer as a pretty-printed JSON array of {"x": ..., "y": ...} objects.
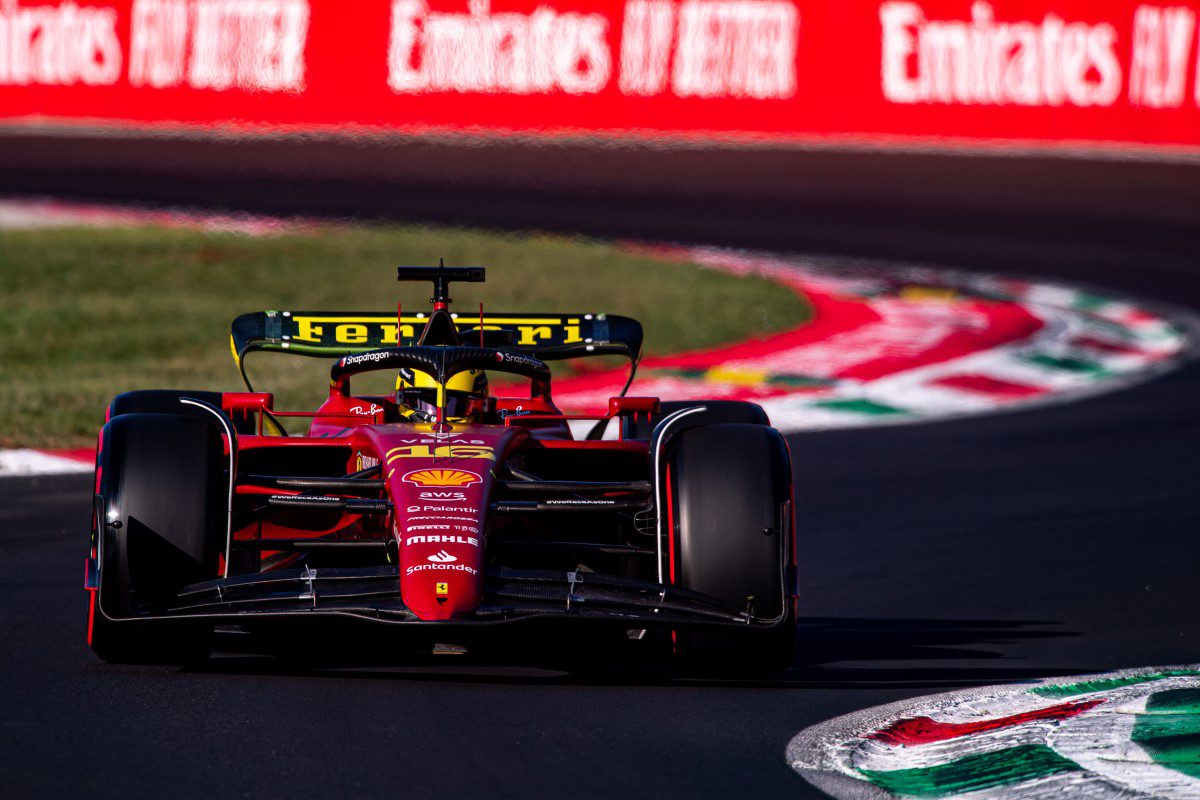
[{"x": 1054, "y": 541}]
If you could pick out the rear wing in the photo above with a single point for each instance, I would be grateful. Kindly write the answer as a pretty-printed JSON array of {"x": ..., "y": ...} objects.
[{"x": 333, "y": 334}]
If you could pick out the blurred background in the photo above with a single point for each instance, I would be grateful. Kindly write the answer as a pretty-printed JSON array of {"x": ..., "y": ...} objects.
[{"x": 1056, "y": 138}]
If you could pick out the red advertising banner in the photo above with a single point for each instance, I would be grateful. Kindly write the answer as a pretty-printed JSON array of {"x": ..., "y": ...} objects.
[{"x": 1109, "y": 73}]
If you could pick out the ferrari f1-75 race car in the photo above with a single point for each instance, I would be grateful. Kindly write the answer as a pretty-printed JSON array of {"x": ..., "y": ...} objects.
[{"x": 440, "y": 509}]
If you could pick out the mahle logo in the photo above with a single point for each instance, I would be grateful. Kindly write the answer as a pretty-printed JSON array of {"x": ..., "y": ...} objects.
[{"x": 441, "y": 538}]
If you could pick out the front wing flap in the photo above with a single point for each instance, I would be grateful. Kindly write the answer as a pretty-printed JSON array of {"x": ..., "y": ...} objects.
[{"x": 510, "y": 595}]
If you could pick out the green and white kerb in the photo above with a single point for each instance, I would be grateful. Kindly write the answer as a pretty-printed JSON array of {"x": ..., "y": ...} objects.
[{"x": 1130, "y": 734}]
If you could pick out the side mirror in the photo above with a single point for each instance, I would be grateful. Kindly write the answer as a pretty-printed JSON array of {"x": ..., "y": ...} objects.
[{"x": 618, "y": 406}]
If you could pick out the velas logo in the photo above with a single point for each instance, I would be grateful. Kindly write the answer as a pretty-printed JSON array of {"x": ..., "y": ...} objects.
[
  {"x": 442, "y": 478},
  {"x": 441, "y": 557}
]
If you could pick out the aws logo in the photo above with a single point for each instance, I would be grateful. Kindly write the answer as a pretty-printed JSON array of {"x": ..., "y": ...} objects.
[{"x": 448, "y": 497}]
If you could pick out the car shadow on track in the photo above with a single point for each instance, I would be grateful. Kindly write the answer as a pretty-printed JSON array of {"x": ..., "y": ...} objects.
[
  {"x": 843, "y": 652},
  {"x": 831, "y": 653}
]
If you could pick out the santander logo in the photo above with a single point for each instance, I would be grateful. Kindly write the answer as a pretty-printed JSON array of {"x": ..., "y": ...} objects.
[{"x": 442, "y": 557}]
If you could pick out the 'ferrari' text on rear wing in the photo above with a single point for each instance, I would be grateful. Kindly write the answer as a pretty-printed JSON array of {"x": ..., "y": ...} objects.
[{"x": 333, "y": 334}]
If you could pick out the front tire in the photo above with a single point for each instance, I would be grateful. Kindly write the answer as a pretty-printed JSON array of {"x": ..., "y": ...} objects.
[
  {"x": 730, "y": 502},
  {"x": 162, "y": 504}
]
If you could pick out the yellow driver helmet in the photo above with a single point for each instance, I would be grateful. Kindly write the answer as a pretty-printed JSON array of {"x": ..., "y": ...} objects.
[{"x": 466, "y": 394}]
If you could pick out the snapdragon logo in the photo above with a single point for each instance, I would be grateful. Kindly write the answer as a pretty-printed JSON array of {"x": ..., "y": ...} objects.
[
  {"x": 517, "y": 358},
  {"x": 378, "y": 355}
]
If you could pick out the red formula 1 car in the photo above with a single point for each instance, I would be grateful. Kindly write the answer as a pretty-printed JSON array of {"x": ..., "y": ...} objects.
[{"x": 441, "y": 509}]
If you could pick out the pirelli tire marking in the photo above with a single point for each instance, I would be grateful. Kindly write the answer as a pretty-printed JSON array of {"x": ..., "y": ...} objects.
[{"x": 1129, "y": 734}]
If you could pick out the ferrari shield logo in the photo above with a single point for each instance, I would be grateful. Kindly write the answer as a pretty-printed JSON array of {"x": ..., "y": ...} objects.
[{"x": 442, "y": 589}]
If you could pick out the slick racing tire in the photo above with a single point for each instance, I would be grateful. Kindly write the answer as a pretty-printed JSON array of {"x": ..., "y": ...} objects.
[
  {"x": 166, "y": 401},
  {"x": 730, "y": 505},
  {"x": 161, "y": 509},
  {"x": 718, "y": 411}
]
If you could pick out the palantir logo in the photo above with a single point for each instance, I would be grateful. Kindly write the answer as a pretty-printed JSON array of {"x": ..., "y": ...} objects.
[{"x": 442, "y": 557}]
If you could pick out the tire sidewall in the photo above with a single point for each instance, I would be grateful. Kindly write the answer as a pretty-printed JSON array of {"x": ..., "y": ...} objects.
[
  {"x": 160, "y": 488},
  {"x": 729, "y": 482}
]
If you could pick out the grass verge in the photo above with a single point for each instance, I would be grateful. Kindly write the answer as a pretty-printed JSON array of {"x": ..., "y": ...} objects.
[{"x": 90, "y": 312}]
